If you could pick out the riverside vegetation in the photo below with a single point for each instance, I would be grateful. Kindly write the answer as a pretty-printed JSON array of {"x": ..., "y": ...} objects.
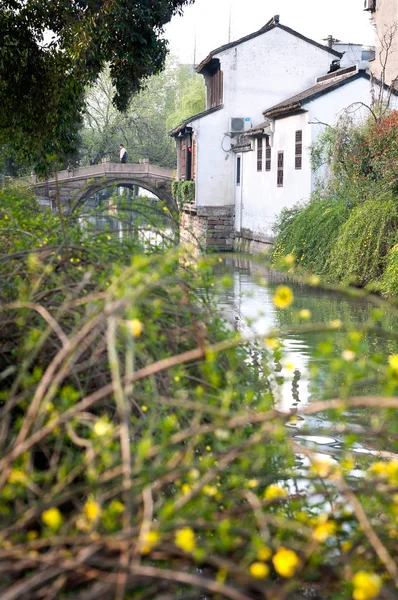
[
  {"x": 348, "y": 232},
  {"x": 142, "y": 451}
]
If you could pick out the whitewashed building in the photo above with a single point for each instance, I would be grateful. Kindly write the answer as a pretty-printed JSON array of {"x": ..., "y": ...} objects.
[
  {"x": 242, "y": 78},
  {"x": 276, "y": 172},
  {"x": 247, "y": 169}
]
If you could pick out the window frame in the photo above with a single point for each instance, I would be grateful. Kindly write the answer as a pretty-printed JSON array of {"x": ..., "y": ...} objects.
[
  {"x": 298, "y": 150},
  {"x": 268, "y": 155},
  {"x": 280, "y": 179},
  {"x": 260, "y": 154},
  {"x": 238, "y": 170}
]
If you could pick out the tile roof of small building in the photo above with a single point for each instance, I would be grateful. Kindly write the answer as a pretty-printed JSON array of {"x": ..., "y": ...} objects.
[
  {"x": 296, "y": 102},
  {"x": 272, "y": 24}
]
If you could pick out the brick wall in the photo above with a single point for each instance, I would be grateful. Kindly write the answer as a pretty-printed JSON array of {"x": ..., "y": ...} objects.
[{"x": 211, "y": 229}]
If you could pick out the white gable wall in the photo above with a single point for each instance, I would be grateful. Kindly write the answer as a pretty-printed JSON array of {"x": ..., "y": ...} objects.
[{"x": 258, "y": 73}]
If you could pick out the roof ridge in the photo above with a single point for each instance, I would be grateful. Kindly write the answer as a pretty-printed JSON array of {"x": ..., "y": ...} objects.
[{"x": 272, "y": 24}]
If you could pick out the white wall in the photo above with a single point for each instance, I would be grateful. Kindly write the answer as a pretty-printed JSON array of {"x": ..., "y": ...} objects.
[
  {"x": 262, "y": 200},
  {"x": 257, "y": 74}
]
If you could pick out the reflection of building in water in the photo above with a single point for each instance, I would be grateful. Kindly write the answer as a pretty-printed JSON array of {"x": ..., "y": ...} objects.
[{"x": 248, "y": 306}]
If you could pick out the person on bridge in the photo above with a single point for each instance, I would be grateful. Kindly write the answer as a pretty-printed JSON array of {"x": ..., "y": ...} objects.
[{"x": 123, "y": 154}]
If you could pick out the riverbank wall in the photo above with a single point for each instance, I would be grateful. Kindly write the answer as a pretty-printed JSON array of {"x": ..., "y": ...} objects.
[{"x": 212, "y": 229}]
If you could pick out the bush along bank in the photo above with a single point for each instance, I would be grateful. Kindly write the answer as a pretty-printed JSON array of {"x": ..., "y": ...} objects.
[
  {"x": 348, "y": 231},
  {"x": 141, "y": 452}
]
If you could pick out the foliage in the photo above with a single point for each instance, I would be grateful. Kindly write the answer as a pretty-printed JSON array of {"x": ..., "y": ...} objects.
[
  {"x": 191, "y": 97},
  {"x": 362, "y": 154},
  {"x": 183, "y": 191},
  {"x": 52, "y": 50},
  {"x": 389, "y": 280},
  {"x": 359, "y": 255},
  {"x": 348, "y": 228},
  {"x": 141, "y": 452},
  {"x": 310, "y": 231},
  {"x": 143, "y": 127}
]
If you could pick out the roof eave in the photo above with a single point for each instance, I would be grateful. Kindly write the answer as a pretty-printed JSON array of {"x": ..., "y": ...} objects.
[
  {"x": 271, "y": 114},
  {"x": 174, "y": 132}
]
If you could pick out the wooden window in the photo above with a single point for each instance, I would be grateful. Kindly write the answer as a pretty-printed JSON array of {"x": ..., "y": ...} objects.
[
  {"x": 259, "y": 154},
  {"x": 238, "y": 169},
  {"x": 280, "y": 169},
  {"x": 267, "y": 154},
  {"x": 217, "y": 89},
  {"x": 299, "y": 150},
  {"x": 183, "y": 159}
]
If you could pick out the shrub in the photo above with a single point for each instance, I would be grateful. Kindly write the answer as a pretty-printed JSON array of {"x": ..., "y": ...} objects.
[
  {"x": 309, "y": 232},
  {"x": 141, "y": 452},
  {"x": 359, "y": 254},
  {"x": 389, "y": 280}
]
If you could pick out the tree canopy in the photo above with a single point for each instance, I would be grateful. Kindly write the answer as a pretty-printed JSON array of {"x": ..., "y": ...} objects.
[
  {"x": 143, "y": 127},
  {"x": 51, "y": 51}
]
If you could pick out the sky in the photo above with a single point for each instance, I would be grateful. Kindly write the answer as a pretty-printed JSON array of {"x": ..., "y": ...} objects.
[{"x": 208, "y": 20}]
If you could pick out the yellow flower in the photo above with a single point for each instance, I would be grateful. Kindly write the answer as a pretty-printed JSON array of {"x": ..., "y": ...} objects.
[
  {"x": 366, "y": 585},
  {"x": 393, "y": 362},
  {"x": 32, "y": 535},
  {"x": 185, "y": 539},
  {"x": 135, "y": 327},
  {"x": 259, "y": 570},
  {"x": 283, "y": 297},
  {"x": 271, "y": 343},
  {"x": 285, "y": 562},
  {"x": 210, "y": 490},
  {"x": 92, "y": 510},
  {"x": 264, "y": 553},
  {"x": 322, "y": 466},
  {"x": 186, "y": 488},
  {"x": 275, "y": 491},
  {"x": 314, "y": 280},
  {"x": 52, "y": 518},
  {"x": 305, "y": 314},
  {"x": 144, "y": 408},
  {"x": 149, "y": 541},
  {"x": 101, "y": 428},
  {"x": 289, "y": 259},
  {"x": 336, "y": 324},
  {"x": 252, "y": 483},
  {"x": 17, "y": 476},
  {"x": 323, "y": 531}
]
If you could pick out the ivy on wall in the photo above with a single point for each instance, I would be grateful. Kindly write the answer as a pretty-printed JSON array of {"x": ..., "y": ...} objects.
[{"x": 183, "y": 191}]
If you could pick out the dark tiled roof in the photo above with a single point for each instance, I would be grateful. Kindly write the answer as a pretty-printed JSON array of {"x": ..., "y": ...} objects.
[
  {"x": 296, "y": 102},
  {"x": 268, "y": 27},
  {"x": 204, "y": 113}
]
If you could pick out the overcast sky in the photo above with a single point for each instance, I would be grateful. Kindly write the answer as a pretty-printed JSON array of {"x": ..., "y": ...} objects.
[{"x": 209, "y": 21}]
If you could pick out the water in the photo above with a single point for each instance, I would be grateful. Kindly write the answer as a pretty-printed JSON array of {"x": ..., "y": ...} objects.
[{"x": 302, "y": 376}]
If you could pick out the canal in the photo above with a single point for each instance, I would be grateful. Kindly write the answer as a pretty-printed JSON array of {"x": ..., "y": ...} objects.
[{"x": 307, "y": 367}]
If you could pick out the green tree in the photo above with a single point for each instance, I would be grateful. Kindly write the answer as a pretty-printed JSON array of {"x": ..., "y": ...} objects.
[
  {"x": 173, "y": 94},
  {"x": 191, "y": 97},
  {"x": 51, "y": 51}
]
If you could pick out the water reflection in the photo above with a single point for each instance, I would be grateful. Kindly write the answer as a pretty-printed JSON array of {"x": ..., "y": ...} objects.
[{"x": 248, "y": 306}]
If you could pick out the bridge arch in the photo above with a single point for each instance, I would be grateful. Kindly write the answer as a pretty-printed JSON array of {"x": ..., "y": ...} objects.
[
  {"x": 159, "y": 191},
  {"x": 76, "y": 186}
]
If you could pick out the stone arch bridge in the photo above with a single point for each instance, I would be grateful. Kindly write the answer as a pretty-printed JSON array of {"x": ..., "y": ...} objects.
[{"x": 76, "y": 186}]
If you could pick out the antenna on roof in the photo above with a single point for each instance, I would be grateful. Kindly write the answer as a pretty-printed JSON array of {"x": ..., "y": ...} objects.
[{"x": 230, "y": 21}]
